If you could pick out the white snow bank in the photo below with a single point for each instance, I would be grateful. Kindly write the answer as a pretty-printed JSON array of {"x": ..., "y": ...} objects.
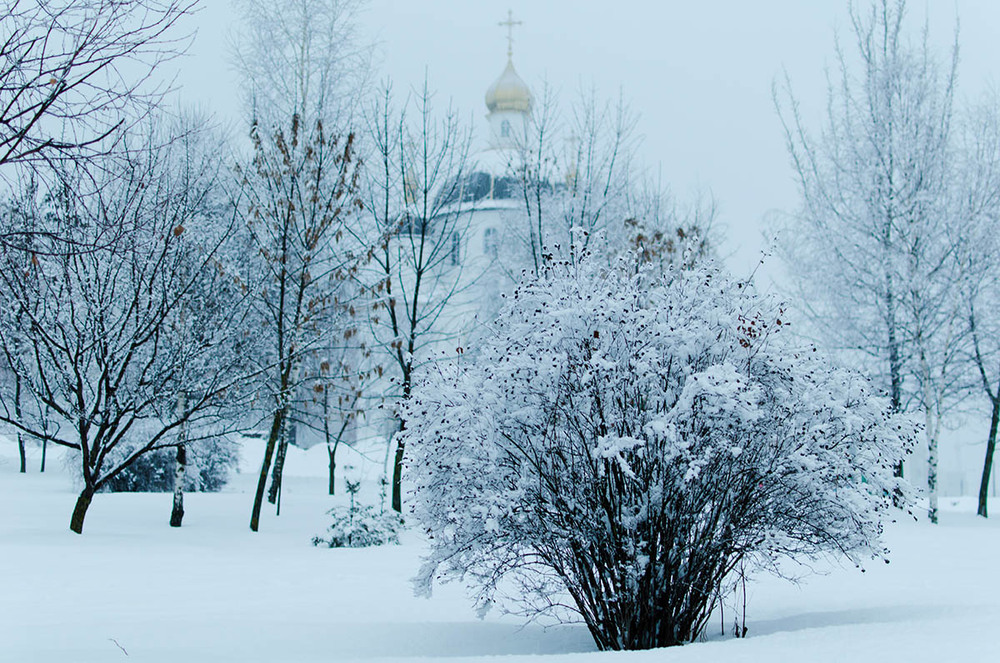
[{"x": 214, "y": 591}]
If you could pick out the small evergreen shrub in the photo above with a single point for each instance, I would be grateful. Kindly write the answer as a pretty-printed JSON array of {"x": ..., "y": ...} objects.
[{"x": 360, "y": 526}]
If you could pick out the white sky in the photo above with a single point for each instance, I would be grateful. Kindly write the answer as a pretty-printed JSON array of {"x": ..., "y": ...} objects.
[{"x": 699, "y": 73}]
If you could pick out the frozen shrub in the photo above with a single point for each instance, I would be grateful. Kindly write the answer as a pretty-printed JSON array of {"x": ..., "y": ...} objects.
[
  {"x": 209, "y": 464},
  {"x": 625, "y": 440},
  {"x": 360, "y": 526}
]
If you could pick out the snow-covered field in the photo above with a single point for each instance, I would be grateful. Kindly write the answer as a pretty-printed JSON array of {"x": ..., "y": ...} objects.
[{"x": 214, "y": 591}]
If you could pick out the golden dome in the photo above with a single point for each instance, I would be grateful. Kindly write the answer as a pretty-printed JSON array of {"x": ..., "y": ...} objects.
[{"x": 509, "y": 92}]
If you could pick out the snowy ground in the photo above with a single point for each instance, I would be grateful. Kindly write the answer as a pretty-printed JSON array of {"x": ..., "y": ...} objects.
[{"x": 214, "y": 591}]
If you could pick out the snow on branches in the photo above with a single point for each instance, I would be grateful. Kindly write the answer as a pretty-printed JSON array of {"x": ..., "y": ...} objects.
[{"x": 625, "y": 440}]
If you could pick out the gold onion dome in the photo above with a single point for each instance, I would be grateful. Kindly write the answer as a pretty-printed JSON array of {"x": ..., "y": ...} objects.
[{"x": 509, "y": 92}]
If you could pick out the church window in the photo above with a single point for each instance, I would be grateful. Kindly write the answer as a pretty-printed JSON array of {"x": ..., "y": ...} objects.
[
  {"x": 456, "y": 245},
  {"x": 491, "y": 242},
  {"x": 505, "y": 129}
]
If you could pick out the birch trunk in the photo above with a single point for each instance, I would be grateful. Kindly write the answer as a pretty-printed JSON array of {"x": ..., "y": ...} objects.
[
  {"x": 895, "y": 364},
  {"x": 934, "y": 394},
  {"x": 279, "y": 462},
  {"x": 274, "y": 495},
  {"x": 180, "y": 466},
  {"x": 17, "y": 414},
  {"x": 286, "y": 428},
  {"x": 932, "y": 420},
  {"x": 933, "y": 423},
  {"x": 180, "y": 470}
]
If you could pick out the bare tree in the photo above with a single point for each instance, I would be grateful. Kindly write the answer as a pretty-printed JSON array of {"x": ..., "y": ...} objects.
[
  {"x": 72, "y": 72},
  {"x": 978, "y": 252},
  {"x": 99, "y": 351},
  {"x": 299, "y": 202},
  {"x": 575, "y": 174},
  {"x": 14, "y": 222},
  {"x": 583, "y": 189},
  {"x": 872, "y": 248},
  {"x": 982, "y": 301},
  {"x": 304, "y": 70},
  {"x": 336, "y": 372},
  {"x": 214, "y": 291},
  {"x": 302, "y": 57},
  {"x": 339, "y": 395},
  {"x": 419, "y": 222},
  {"x": 664, "y": 232}
]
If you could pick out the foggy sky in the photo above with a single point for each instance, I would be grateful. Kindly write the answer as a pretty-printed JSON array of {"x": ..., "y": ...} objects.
[{"x": 699, "y": 74}]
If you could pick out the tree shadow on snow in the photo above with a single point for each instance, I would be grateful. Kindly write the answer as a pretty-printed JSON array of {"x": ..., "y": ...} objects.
[
  {"x": 437, "y": 639},
  {"x": 854, "y": 616}
]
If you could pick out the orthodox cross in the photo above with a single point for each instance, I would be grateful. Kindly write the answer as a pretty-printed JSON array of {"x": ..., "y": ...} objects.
[{"x": 509, "y": 24}]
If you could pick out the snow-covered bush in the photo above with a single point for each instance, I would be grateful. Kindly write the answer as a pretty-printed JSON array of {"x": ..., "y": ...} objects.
[
  {"x": 626, "y": 440},
  {"x": 209, "y": 463},
  {"x": 360, "y": 526}
]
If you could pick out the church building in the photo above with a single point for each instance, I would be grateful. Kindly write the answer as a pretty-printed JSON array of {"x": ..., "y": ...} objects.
[{"x": 491, "y": 198}]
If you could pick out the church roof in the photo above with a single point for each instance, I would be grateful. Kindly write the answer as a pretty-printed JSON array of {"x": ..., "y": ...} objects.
[{"x": 509, "y": 92}]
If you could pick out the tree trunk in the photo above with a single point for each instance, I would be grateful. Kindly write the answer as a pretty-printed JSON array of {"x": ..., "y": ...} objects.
[
  {"x": 22, "y": 453},
  {"x": 180, "y": 466},
  {"x": 933, "y": 430},
  {"x": 272, "y": 439},
  {"x": 279, "y": 461},
  {"x": 287, "y": 433},
  {"x": 80, "y": 510},
  {"x": 17, "y": 413},
  {"x": 331, "y": 447},
  {"x": 45, "y": 444},
  {"x": 991, "y": 445},
  {"x": 895, "y": 364},
  {"x": 397, "y": 478},
  {"x": 332, "y": 453}
]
